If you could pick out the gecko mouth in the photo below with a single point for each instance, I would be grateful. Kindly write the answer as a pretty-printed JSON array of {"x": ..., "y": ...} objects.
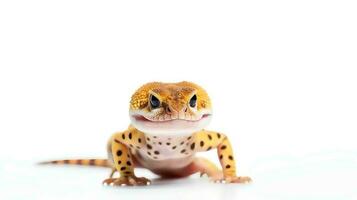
[
  {"x": 171, "y": 126},
  {"x": 145, "y": 119}
]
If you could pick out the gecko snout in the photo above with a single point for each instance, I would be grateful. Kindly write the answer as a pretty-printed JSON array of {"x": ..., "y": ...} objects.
[{"x": 170, "y": 110}]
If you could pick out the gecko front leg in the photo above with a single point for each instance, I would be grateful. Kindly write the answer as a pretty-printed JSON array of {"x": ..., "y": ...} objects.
[
  {"x": 123, "y": 160},
  {"x": 207, "y": 140}
]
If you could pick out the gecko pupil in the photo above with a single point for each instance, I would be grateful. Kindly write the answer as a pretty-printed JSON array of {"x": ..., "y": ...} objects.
[
  {"x": 154, "y": 102},
  {"x": 193, "y": 101}
]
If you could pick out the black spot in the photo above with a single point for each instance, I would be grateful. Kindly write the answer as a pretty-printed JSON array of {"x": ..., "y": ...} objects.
[
  {"x": 160, "y": 143},
  {"x": 220, "y": 157},
  {"x": 202, "y": 143},
  {"x": 183, "y": 150},
  {"x": 230, "y": 157},
  {"x": 137, "y": 147},
  {"x": 174, "y": 147},
  {"x": 131, "y": 145},
  {"x": 193, "y": 146},
  {"x": 228, "y": 166},
  {"x": 139, "y": 140},
  {"x": 209, "y": 148},
  {"x": 128, "y": 172},
  {"x": 149, "y": 153},
  {"x": 223, "y": 147},
  {"x": 119, "y": 153},
  {"x": 117, "y": 141},
  {"x": 149, "y": 146},
  {"x": 168, "y": 143},
  {"x": 209, "y": 137},
  {"x": 128, "y": 163},
  {"x": 155, "y": 136},
  {"x": 122, "y": 168},
  {"x": 148, "y": 139},
  {"x": 218, "y": 135},
  {"x": 182, "y": 143},
  {"x": 130, "y": 136},
  {"x": 123, "y": 136},
  {"x": 156, "y": 152},
  {"x": 119, "y": 162},
  {"x": 189, "y": 138}
]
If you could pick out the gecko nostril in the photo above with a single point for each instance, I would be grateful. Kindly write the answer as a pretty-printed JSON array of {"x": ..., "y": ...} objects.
[
  {"x": 185, "y": 109},
  {"x": 168, "y": 110}
]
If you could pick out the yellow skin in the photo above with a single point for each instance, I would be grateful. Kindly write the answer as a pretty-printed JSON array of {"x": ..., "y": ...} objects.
[
  {"x": 175, "y": 127},
  {"x": 167, "y": 129}
]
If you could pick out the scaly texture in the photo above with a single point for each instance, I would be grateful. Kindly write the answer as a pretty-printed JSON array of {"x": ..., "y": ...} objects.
[
  {"x": 165, "y": 133},
  {"x": 174, "y": 92}
]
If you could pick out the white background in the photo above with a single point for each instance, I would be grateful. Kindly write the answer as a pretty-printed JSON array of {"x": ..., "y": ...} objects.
[{"x": 281, "y": 76}]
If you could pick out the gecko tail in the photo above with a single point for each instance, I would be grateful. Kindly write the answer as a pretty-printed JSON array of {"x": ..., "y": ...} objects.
[{"x": 86, "y": 162}]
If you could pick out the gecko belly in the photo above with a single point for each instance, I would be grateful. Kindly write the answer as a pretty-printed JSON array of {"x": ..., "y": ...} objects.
[{"x": 166, "y": 152}]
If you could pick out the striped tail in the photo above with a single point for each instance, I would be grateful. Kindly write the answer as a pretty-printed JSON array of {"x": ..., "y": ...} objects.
[{"x": 87, "y": 162}]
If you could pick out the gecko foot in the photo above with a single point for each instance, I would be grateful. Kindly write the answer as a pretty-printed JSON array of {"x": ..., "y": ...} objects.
[
  {"x": 235, "y": 179},
  {"x": 218, "y": 177},
  {"x": 215, "y": 176},
  {"x": 127, "y": 181}
]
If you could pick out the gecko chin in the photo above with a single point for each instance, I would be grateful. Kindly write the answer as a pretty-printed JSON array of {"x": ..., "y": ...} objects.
[{"x": 171, "y": 127}]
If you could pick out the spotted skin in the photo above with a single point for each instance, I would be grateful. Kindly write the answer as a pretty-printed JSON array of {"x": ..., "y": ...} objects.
[
  {"x": 89, "y": 162},
  {"x": 132, "y": 143},
  {"x": 122, "y": 150},
  {"x": 165, "y": 151},
  {"x": 208, "y": 140}
]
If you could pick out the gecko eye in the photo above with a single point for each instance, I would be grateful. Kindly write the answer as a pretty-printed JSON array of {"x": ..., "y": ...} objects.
[
  {"x": 154, "y": 102},
  {"x": 193, "y": 101}
]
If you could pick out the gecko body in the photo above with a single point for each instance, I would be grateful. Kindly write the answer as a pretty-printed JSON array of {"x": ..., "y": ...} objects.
[{"x": 166, "y": 131}]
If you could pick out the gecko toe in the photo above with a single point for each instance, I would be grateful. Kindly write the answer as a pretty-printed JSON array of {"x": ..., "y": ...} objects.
[
  {"x": 127, "y": 181},
  {"x": 238, "y": 179}
]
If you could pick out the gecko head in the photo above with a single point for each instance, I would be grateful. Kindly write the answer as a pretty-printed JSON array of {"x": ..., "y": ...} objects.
[{"x": 170, "y": 108}]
